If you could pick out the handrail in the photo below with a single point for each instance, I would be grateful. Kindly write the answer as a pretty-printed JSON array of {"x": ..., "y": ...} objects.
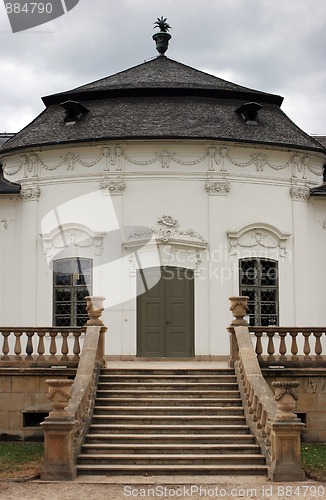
[
  {"x": 40, "y": 346},
  {"x": 271, "y": 420},
  {"x": 73, "y": 403}
]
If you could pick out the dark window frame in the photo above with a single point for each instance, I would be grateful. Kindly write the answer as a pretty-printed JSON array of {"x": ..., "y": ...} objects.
[
  {"x": 70, "y": 286},
  {"x": 259, "y": 279}
]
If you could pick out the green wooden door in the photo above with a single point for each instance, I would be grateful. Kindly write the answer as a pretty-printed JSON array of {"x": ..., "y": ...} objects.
[{"x": 165, "y": 312}]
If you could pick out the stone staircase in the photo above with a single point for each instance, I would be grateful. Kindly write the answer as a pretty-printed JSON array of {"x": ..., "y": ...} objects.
[{"x": 169, "y": 421}]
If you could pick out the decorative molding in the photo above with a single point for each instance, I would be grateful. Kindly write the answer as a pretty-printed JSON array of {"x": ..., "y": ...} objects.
[
  {"x": 167, "y": 233},
  {"x": 218, "y": 187},
  {"x": 299, "y": 192},
  {"x": 258, "y": 235},
  {"x": 113, "y": 185},
  {"x": 75, "y": 235},
  {"x": 30, "y": 192},
  {"x": 6, "y": 223},
  {"x": 168, "y": 229},
  {"x": 31, "y": 163}
]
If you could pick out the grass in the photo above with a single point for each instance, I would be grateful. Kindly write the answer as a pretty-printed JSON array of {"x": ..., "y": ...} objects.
[
  {"x": 313, "y": 460},
  {"x": 20, "y": 460}
]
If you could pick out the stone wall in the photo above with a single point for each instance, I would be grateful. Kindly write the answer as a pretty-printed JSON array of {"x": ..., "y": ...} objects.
[
  {"x": 311, "y": 404},
  {"x": 23, "y": 395}
]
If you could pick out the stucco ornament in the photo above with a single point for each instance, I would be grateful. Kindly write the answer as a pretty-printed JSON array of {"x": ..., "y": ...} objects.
[
  {"x": 30, "y": 192},
  {"x": 168, "y": 228},
  {"x": 218, "y": 187},
  {"x": 299, "y": 192},
  {"x": 113, "y": 185}
]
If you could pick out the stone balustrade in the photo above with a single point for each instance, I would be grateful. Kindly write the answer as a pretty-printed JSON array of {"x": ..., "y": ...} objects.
[
  {"x": 68, "y": 422},
  {"x": 297, "y": 347},
  {"x": 270, "y": 417},
  {"x": 28, "y": 347}
]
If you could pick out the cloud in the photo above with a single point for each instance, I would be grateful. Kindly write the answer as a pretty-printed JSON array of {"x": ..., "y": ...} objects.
[{"x": 270, "y": 45}]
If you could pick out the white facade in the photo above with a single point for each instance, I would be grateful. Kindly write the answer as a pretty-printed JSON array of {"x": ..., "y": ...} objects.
[{"x": 201, "y": 205}]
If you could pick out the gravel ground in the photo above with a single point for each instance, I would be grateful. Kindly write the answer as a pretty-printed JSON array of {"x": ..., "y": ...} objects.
[{"x": 182, "y": 488}]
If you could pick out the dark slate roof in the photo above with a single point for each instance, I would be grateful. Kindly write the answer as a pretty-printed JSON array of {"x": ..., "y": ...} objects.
[
  {"x": 320, "y": 190},
  {"x": 321, "y": 139},
  {"x": 5, "y": 137},
  {"x": 162, "y": 99},
  {"x": 7, "y": 187}
]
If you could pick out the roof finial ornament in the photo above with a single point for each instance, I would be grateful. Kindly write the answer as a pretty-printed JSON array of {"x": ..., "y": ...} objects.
[{"x": 162, "y": 37}]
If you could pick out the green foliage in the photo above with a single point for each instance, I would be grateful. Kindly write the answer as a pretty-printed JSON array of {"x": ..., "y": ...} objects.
[
  {"x": 20, "y": 458},
  {"x": 313, "y": 459},
  {"x": 162, "y": 24}
]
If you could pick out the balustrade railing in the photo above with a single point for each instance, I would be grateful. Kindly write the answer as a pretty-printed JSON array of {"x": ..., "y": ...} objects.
[
  {"x": 32, "y": 347},
  {"x": 270, "y": 417},
  {"x": 289, "y": 346}
]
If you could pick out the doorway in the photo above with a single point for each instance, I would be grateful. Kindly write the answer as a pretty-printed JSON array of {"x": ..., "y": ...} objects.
[{"x": 165, "y": 312}]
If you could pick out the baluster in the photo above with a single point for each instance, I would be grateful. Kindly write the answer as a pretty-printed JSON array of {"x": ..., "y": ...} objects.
[
  {"x": 260, "y": 413},
  {"x": 29, "y": 346},
  {"x": 64, "y": 347},
  {"x": 270, "y": 347},
  {"x": 318, "y": 346},
  {"x": 76, "y": 348},
  {"x": 259, "y": 346},
  {"x": 267, "y": 432},
  {"x": 40, "y": 347},
  {"x": 282, "y": 349},
  {"x": 18, "y": 347},
  {"x": 5, "y": 347},
  {"x": 251, "y": 399},
  {"x": 255, "y": 408},
  {"x": 294, "y": 346},
  {"x": 306, "y": 347},
  {"x": 263, "y": 420},
  {"x": 53, "y": 346}
]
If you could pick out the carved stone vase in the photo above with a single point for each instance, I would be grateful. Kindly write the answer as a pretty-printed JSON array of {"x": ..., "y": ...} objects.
[
  {"x": 94, "y": 308},
  {"x": 239, "y": 310},
  {"x": 162, "y": 41},
  {"x": 285, "y": 397},
  {"x": 59, "y": 393}
]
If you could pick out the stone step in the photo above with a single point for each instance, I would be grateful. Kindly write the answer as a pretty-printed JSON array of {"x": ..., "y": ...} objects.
[
  {"x": 168, "y": 429},
  {"x": 101, "y": 409},
  {"x": 167, "y": 439},
  {"x": 169, "y": 419},
  {"x": 169, "y": 459},
  {"x": 168, "y": 378},
  {"x": 175, "y": 469},
  {"x": 168, "y": 371},
  {"x": 163, "y": 401},
  {"x": 167, "y": 393},
  {"x": 199, "y": 448},
  {"x": 168, "y": 386}
]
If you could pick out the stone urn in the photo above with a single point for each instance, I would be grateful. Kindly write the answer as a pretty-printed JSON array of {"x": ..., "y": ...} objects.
[
  {"x": 239, "y": 307},
  {"x": 162, "y": 38},
  {"x": 94, "y": 308},
  {"x": 285, "y": 397},
  {"x": 162, "y": 42},
  {"x": 59, "y": 394}
]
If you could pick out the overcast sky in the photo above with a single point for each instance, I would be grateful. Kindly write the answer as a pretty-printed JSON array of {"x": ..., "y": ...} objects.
[{"x": 276, "y": 46}]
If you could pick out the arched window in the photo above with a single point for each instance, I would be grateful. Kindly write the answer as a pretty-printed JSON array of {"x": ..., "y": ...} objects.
[
  {"x": 259, "y": 280},
  {"x": 72, "y": 282}
]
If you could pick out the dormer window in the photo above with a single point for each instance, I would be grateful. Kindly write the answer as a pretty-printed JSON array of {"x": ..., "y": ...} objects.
[
  {"x": 74, "y": 111},
  {"x": 249, "y": 112}
]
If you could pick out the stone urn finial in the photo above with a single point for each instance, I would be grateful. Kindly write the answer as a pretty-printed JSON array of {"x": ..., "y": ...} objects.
[
  {"x": 59, "y": 394},
  {"x": 238, "y": 308},
  {"x": 285, "y": 397},
  {"x": 162, "y": 38},
  {"x": 94, "y": 308}
]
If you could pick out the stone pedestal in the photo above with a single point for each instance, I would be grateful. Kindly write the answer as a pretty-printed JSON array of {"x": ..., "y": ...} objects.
[
  {"x": 58, "y": 450},
  {"x": 286, "y": 451}
]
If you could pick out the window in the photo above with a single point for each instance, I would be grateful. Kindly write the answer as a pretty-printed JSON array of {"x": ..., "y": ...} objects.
[
  {"x": 259, "y": 280},
  {"x": 72, "y": 282}
]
